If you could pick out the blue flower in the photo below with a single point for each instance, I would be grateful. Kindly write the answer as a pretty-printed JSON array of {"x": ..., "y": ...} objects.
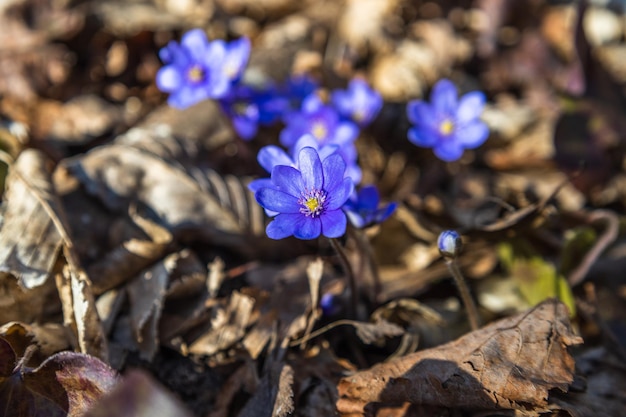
[
  {"x": 308, "y": 198},
  {"x": 197, "y": 69},
  {"x": 359, "y": 102},
  {"x": 319, "y": 120},
  {"x": 449, "y": 243},
  {"x": 240, "y": 106},
  {"x": 362, "y": 208},
  {"x": 448, "y": 125}
]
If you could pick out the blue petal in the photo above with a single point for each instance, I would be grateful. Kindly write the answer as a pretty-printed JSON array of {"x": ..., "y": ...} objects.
[
  {"x": 334, "y": 171},
  {"x": 345, "y": 133},
  {"x": 277, "y": 200},
  {"x": 195, "y": 43},
  {"x": 186, "y": 96},
  {"x": 340, "y": 195},
  {"x": 257, "y": 184},
  {"x": 333, "y": 223},
  {"x": 422, "y": 137},
  {"x": 420, "y": 113},
  {"x": 270, "y": 156},
  {"x": 355, "y": 218},
  {"x": 304, "y": 141},
  {"x": 472, "y": 135},
  {"x": 312, "y": 103},
  {"x": 245, "y": 128},
  {"x": 444, "y": 97},
  {"x": 385, "y": 212},
  {"x": 448, "y": 151},
  {"x": 470, "y": 107},
  {"x": 311, "y": 169},
  {"x": 308, "y": 227},
  {"x": 288, "y": 179},
  {"x": 282, "y": 226},
  {"x": 168, "y": 79},
  {"x": 368, "y": 197},
  {"x": 237, "y": 58}
]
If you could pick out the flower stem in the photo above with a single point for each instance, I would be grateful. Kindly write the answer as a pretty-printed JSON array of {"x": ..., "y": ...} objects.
[
  {"x": 345, "y": 263},
  {"x": 466, "y": 297}
]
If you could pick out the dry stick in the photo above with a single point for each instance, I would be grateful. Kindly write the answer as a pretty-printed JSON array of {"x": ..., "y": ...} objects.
[
  {"x": 345, "y": 263},
  {"x": 466, "y": 297}
]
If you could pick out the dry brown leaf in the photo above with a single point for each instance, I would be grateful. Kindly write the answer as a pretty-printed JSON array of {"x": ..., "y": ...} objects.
[
  {"x": 33, "y": 228},
  {"x": 146, "y": 296},
  {"x": 274, "y": 396},
  {"x": 132, "y": 256},
  {"x": 228, "y": 326},
  {"x": 80, "y": 313},
  {"x": 509, "y": 364}
]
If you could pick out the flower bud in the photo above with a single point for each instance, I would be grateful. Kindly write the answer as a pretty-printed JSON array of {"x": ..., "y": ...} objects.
[{"x": 449, "y": 243}]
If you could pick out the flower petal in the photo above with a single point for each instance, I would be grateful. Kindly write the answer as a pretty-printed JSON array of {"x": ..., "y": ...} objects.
[
  {"x": 368, "y": 197},
  {"x": 422, "y": 137},
  {"x": 334, "y": 168},
  {"x": 355, "y": 218},
  {"x": 444, "y": 97},
  {"x": 277, "y": 200},
  {"x": 283, "y": 225},
  {"x": 470, "y": 107},
  {"x": 195, "y": 43},
  {"x": 186, "y": 96},
  {"x": 311, "y": 168},
  {"x": 312, "y": 103},
  {"x": 257, "y": 184},
  {"x": 288, "y": 179},
  {"x": 271, "y": 155},
  {"x": 340, "y": 195},
  {"x": 472, "y": 135},
  {"x": 168, "y": 79},
  {"x": 308, "y": 227},
  {"x": 420, "y": 113},
  {"x": 448, "y": 151},
  {"x": 333, "y": 223},
  {"x": 345, "y": 133}
]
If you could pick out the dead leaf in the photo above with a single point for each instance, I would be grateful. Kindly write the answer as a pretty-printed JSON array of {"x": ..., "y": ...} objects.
[
  {"x": 146, "y": 295},
  {"x": 33, "y": 228},
  {"x": 228, "y": 326},
  {"x": 274, "y": 395},
  {"x": 80, "y": 313},
  {"x": 510, "y": 364}
]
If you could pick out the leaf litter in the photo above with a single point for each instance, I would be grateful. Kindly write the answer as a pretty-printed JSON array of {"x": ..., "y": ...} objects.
[{"x": 135, "y": 275}]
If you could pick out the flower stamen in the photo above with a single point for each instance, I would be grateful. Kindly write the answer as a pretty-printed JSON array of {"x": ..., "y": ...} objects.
[
  {"x": 195, "y": 74},
  {"x": 446, "y": 127},
  {"x": 312, "y": 202}
]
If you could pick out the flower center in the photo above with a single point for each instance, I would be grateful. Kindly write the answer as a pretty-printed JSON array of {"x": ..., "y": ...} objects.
[
  {"x": 319, "y": 130},
  {"x": 195, "y": 74},
  {"x": 312, "y": 202},
  {"x": 446, "y": 127}
]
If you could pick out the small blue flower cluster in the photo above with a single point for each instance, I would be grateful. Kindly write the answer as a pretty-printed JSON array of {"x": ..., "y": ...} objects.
[{"x": 310, "y": 191}]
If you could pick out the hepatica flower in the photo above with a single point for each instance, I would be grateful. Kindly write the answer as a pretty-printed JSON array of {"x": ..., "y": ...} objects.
[
  {"x": 243, "y": 110},
  {"x": 319, "y": 120},
  {"x": 197, "y": 69},
  {"x": 448, "y": 125},
  {"x": 308, "y": 199},
  {"x": 363, "y": 208},
  {"x": 359, "y": 102}
]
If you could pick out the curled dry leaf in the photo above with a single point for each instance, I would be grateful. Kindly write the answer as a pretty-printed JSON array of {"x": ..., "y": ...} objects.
[
  {"x": 157, "y": 166},
  {"x": 33, "y": 228},
  {"x": 80, "y": 313},
  {"x": 510, "y": 364},
  {"x": 146, "y": 302},
  {"x": 274, "y": 395}
]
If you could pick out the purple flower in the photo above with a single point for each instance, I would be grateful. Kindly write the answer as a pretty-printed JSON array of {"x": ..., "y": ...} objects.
[
  {"x": 362, "y": 207},
  {"x": 359, "y": 102},
  {"x": 449, "y": 243},
  {"x": 320, "y": 121},
  {"x": 243, "y": 111},
  {"x": 308, "y": 198},
  {"x": 448, "y": 125},
  {"x": 197, "y": 69}
]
